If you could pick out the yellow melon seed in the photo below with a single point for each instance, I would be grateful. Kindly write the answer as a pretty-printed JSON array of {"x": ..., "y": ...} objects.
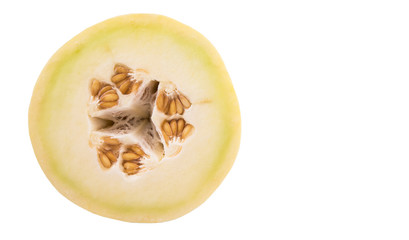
[
  {"x": 179, "y": 106},
  {"x": 95, "y": 87},
  {"x": 104, "y": 90},
  {"x": 112, "y": 91},
  {"x": 187, "y": 131},
  {"x": 111, "y": 141},
  {"x": 181, "y": 125},
  {"x": 186, "y": 103},
  {"x": 109, "y": 97},
  {"x": 130, "y": 156},
  {"x": 174, "y": 127},
  {"x": 165, "y": 103},
  {"x": 120, "y": 82},
  {"x": 124, "y": 86},
  {"x": 130, "y": 166},
  {"x": 172, "y": 107},
  {"x": 104, "y": 160},
  {"x": 105, "y": 105},
  {"x": 167, "y": 129},
  {"x": 121, "y": 69},
  {"x": 138, "y": 150},
  {"x": 119, "y": 77},
  {"x": 165, "y": 137},
  {"x": 110, "y": 156}
]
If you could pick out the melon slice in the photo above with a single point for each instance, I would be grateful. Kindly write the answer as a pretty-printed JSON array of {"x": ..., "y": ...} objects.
[{"x": 135, "y": 119}]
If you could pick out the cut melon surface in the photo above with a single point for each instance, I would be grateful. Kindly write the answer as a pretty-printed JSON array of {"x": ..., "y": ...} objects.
[{"x": 135, "y": 119}]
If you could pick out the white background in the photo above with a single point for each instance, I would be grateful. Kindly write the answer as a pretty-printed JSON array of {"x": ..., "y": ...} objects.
[{"x": 323, "y": 90}]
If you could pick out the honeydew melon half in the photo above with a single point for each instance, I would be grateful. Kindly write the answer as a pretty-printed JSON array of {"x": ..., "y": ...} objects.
[{"x": 135, "y": 119}]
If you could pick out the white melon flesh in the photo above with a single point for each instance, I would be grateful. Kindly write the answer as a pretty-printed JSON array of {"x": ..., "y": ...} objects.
[{"x": 65, "y": 124}]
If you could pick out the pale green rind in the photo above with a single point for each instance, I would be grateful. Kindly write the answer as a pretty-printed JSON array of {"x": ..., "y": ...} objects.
[{"x": 66, "y": 56}]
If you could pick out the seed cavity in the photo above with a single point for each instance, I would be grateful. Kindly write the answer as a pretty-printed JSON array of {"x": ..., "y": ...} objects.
[
  {"x": 108, "y": 151},
  {"x": 104, "y": 93},
  {"x": 172, "y": 103},
  {"x": 124, "y": 80},
  {"x": 132, "y": 161},
  {"x": 176, "y": 130}
]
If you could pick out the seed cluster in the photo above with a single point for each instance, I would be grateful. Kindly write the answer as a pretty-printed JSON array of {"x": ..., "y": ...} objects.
[
  {"x": 123, "y": 80},
  {"x": 108, "y": 151},
  {"x": 105, "y": 93},
  {"x": 176, "y": 130},
  {"x": 132, "y": 157},
  {"x": 172, "y": 103}
]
